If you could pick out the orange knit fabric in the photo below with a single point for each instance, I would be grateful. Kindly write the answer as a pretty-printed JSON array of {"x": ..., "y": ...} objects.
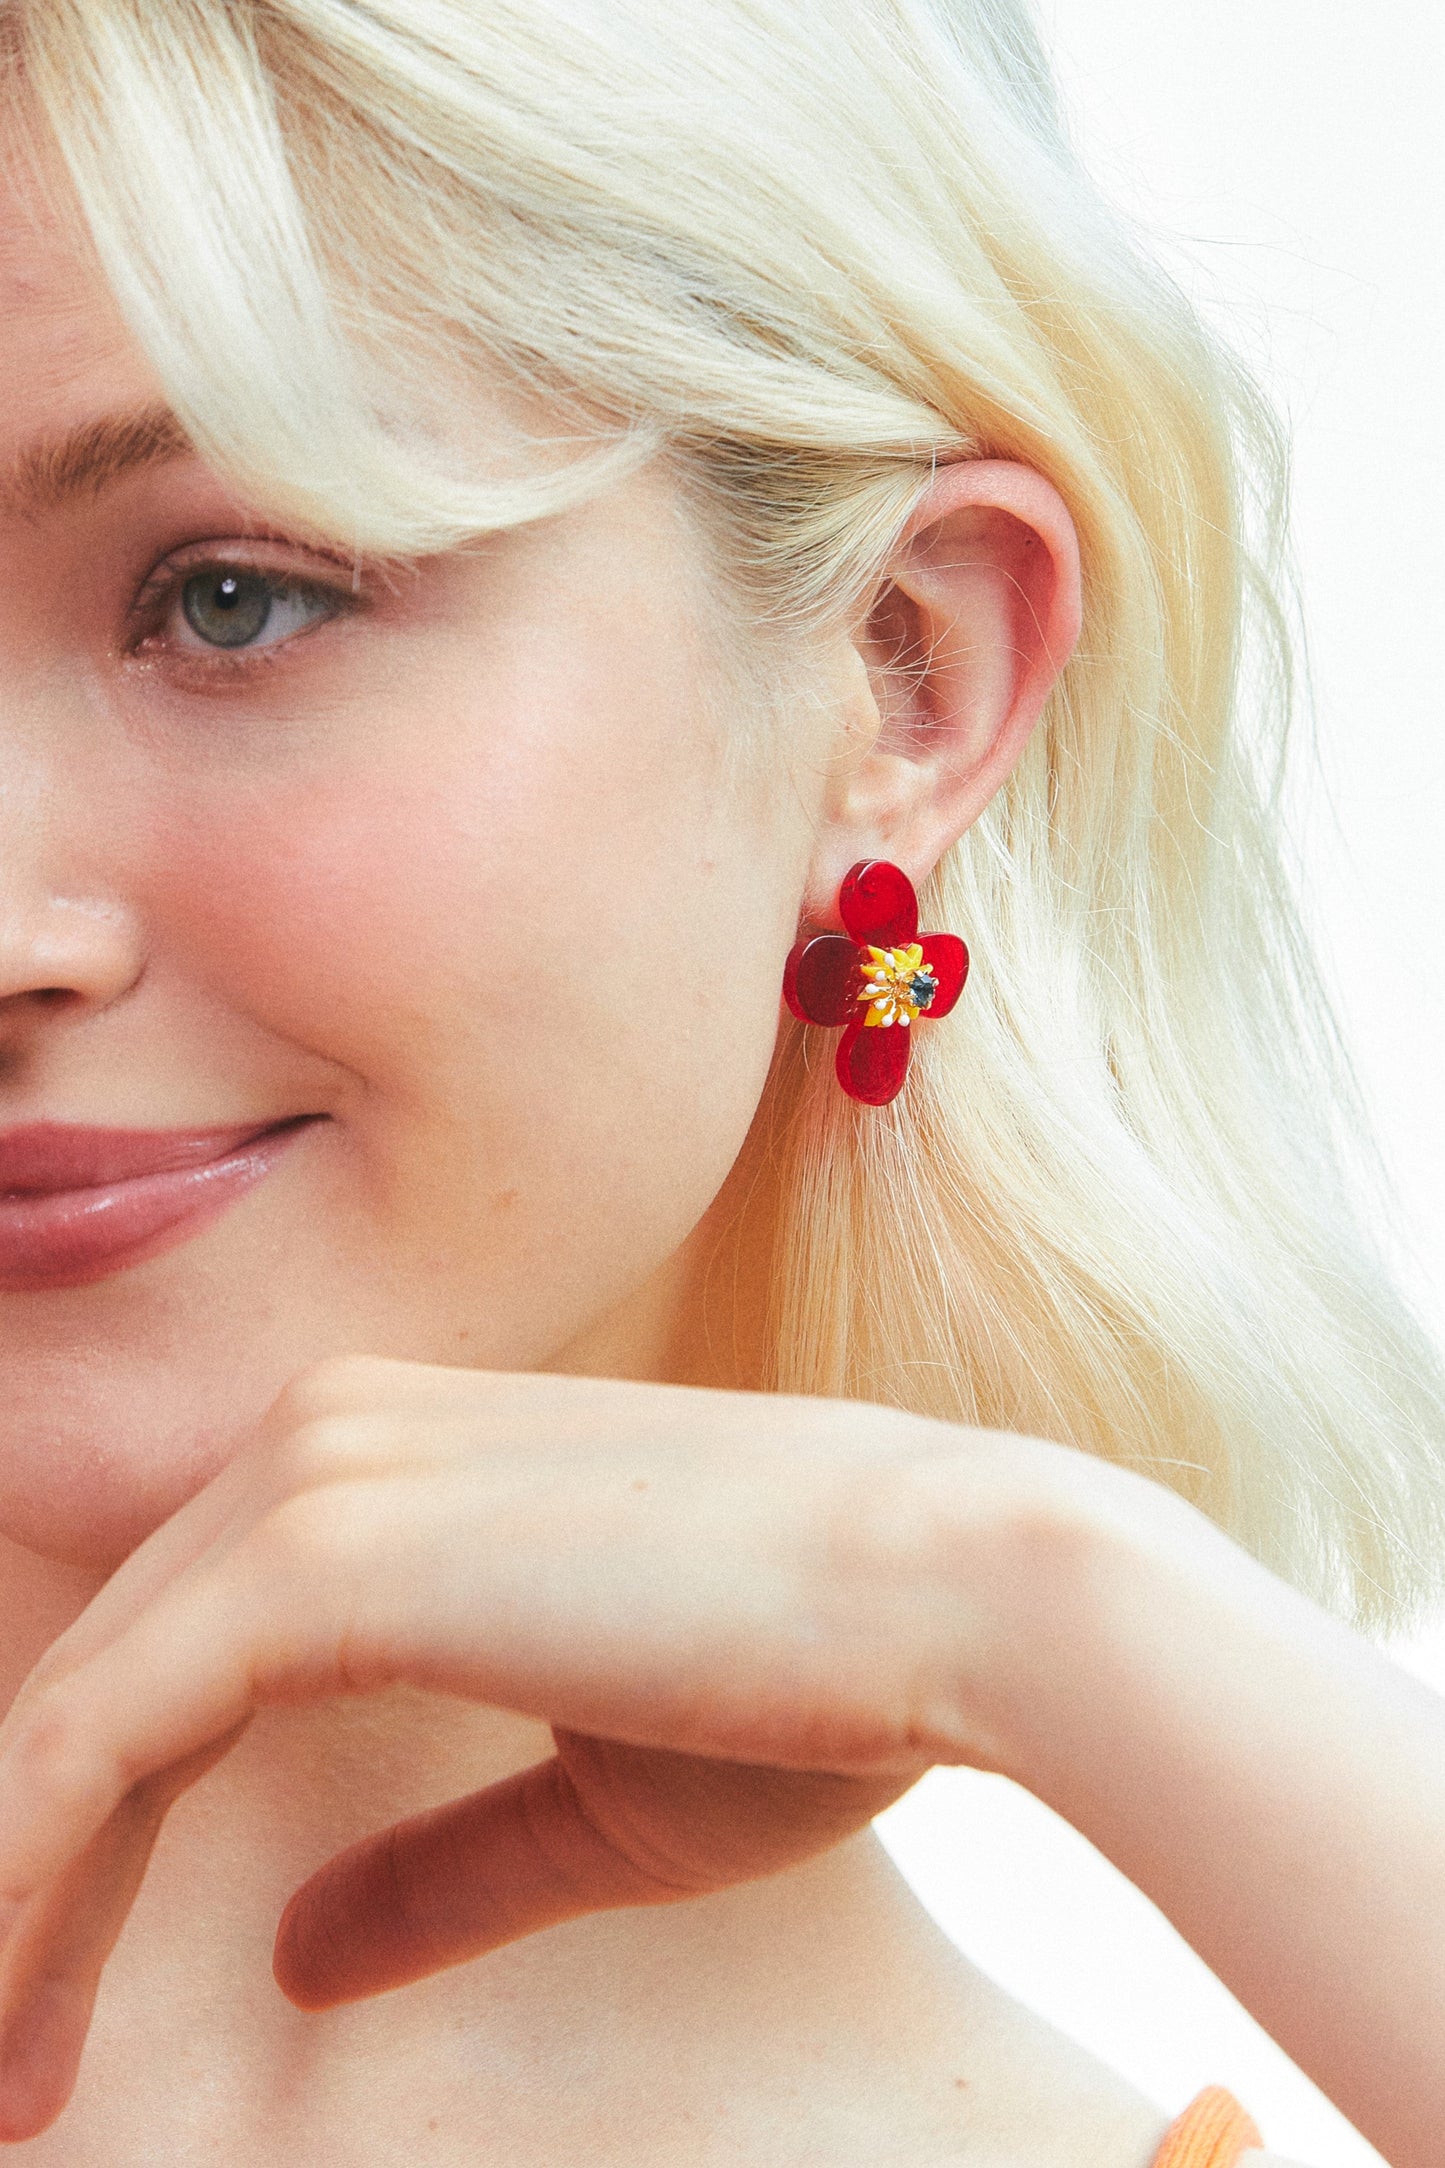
[{"x": 1211, "y": 2133}]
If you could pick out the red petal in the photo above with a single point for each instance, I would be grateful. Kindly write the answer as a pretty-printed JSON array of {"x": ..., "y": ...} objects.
[
  {"x": 947, "y": 958},
  {"x": 877, "y": 904},
  {"x": 821, "y": 979},
  {"x": 872, "y": 1064}
]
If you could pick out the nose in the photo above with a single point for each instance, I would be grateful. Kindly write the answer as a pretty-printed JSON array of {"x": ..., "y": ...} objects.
[
  {"x": 70, "y": 943},
  {"x": 62, "y": 956}
]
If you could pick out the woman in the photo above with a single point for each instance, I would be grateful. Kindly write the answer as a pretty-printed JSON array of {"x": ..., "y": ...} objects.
[{"x": 504, "y": 508}]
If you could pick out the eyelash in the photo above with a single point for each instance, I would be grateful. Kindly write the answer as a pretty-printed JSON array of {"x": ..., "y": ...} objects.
[{"x": 161, "y": 592}]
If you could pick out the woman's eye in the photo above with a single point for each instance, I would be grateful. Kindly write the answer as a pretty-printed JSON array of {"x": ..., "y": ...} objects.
[{"x": 228, "y": 606}]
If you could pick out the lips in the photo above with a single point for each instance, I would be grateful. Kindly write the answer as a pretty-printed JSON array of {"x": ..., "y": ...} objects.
[{"x": 77, "y": 1204}]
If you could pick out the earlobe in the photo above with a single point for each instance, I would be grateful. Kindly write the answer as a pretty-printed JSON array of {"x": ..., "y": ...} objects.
[{"x": 960, "y": 649}]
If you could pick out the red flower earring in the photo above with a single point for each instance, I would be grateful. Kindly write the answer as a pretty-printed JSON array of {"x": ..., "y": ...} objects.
[{"x": 878, "y": 978}]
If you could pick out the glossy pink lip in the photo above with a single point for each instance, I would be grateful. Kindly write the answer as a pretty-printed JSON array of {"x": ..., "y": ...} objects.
[{"x": 77, "y": 1204}]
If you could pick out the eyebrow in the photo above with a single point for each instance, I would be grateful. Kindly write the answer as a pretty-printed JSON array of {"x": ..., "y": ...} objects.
[{"x": 82, "y": 461}]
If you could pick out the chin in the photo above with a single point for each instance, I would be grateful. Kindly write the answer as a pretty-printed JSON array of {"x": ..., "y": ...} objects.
[{"x": 86, "y": 1476}]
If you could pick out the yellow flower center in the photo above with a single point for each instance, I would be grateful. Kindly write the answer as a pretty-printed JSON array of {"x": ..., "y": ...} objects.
[{"x": 897, "y": 985}]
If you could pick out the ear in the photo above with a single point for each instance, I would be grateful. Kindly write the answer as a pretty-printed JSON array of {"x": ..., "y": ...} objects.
[{"x": 949, "y": 672}]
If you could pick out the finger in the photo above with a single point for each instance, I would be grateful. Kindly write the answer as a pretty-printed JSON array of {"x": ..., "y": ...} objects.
[
  {"x": 343, "y": 1412},
  {"x": 275, "y": 1616},
  {"x": 58, "y": 1948},
  {"x": 599, "y": 1827},
  {"x": 180, "y": 1680},
  {"x": 192, "y": 1530},
  {"x": 443, "y": 1887}
]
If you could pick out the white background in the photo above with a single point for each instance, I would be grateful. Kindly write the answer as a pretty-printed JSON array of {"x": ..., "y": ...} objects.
[{"x": 1286, "y": 157}]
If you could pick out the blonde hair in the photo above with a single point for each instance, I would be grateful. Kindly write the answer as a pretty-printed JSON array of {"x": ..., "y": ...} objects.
[{"x": 811, "y": 251}]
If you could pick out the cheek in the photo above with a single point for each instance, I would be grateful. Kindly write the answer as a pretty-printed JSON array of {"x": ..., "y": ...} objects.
[{"x": 539, "y": 965}]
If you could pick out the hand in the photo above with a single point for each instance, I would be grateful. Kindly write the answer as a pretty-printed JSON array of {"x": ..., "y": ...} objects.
[
  {"x": 752, "y": 1622},
  {"x": 730, "y": 1607}
]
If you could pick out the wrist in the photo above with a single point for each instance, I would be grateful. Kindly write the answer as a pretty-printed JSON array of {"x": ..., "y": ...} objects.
[{"x": 1076, "y": 1586}]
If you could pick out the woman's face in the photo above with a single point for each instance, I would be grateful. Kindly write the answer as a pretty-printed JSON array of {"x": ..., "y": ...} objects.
[{"x": 432, "y": 908}]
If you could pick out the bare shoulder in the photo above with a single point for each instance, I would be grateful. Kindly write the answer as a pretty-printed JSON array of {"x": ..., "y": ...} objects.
[
  {"x": 1030, "y": 2097},
  {"x": 986, "y": 2082},
  {"x": 1042, "y": 2101}
]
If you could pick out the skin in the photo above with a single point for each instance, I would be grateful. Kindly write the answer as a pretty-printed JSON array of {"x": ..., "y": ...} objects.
[
  {"x": 235, "y": 897},
  {"x": 318, "y": 1521}
]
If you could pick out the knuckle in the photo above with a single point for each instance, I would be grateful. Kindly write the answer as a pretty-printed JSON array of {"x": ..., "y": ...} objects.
[
  {"x": 319, "y": 1450},
  {"x": 54, "y": 1752},
  {"x": 337, "y": 1385},
  {"x": 328, "y": 1422},
  {"x": 45, "y": 1730}
]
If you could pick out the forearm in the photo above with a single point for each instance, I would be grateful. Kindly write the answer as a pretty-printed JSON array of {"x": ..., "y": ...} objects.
[{"x": 1269, "y": 1779}]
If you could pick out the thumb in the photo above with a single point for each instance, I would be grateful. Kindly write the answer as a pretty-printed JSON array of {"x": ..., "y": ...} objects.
[
  {"x": 599, "y": 1826},
  {"x": 449, "y": 1885}
]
